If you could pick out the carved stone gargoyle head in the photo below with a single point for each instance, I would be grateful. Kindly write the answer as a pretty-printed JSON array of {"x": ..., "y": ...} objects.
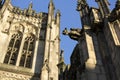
[
  {"x": 73, "y": 33},
  {"x": 65, "y": 31}
]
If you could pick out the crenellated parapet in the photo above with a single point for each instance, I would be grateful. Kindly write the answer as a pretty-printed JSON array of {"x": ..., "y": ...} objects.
[{"x": 26, "y": 12}]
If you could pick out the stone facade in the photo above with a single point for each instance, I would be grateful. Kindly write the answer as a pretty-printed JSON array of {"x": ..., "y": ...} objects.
[
  {"x": 29, "y": 43},
  {"x": 96, "y": 55}
]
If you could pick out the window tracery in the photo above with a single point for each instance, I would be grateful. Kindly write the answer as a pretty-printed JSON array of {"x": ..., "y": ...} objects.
[
  {"x": 13, "y": 49},
  {"x": 27, "y": 52}
]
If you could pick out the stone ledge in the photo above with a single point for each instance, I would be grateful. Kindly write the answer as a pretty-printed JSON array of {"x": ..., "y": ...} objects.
[{"x": 17, "y": 69}]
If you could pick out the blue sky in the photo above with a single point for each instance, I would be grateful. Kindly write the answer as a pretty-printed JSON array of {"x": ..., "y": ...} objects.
[{"x": 69, "y": 18}]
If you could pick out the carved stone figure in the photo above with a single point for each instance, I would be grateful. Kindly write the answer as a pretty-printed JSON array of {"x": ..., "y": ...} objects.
[
  {"x": 73, "y": 33},
  {"x": 46, "y": 66}
]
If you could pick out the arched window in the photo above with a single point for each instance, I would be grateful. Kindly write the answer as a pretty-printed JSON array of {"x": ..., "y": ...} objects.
[
  {"x": 13, "y": 49},
  {"x": 27, "y": 52}
]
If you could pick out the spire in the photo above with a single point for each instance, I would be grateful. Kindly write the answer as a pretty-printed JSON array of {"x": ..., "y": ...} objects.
[
  {"x": 58, "y": 11},
  {"x": 29, "y": 11},
  {"x": 51, "y": 8},
  {"x": 57, "y": 17},
  {"x": 51, "y": 3},
  {"x": 30, "y": 5}
]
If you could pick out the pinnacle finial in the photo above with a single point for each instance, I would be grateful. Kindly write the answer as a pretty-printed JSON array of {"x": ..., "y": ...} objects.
[
  {"x": 58, "y": 11},
  {"x": 51, "y": 0},
  {"x": 51, "y": 3},
  {"x": 30, "y": 5}
]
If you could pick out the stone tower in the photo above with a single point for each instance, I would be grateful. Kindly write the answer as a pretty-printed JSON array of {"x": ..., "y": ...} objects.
[
  {"x": 29, "y": 43},
  {"x": 97, "y": 53}
]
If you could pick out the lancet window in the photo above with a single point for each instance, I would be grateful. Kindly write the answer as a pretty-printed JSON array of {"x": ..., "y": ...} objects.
[
  {"x": 13, "y": 49},
  {"x": 27, "y": 52}
]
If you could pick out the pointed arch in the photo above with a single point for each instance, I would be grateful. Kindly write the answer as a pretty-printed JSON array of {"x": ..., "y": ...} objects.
[
  {"x": 13, "y": 48},
  {"x": 28, "y": 51}
]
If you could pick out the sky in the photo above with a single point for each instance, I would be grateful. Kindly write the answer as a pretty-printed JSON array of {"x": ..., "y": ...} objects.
[{"x": 70, "y": 18}]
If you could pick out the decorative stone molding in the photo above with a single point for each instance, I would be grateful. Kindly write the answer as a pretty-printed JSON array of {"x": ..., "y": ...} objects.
[{"x": 12, "y": 76}]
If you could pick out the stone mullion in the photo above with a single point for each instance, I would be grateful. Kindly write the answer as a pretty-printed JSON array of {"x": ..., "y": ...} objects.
[
  {"x": 25, "y": 59},
  {"x": 20, "y": 51},
  {"x": 12, "y": 51},
  {"x": 34, "y": 51},
  {"x": 30, "y": 54},
  {"x": 10, "y": 57},
  {"x": 26, "y": 56}
]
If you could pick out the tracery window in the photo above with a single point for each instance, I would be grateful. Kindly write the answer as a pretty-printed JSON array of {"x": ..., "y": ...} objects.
[
  {"x": 27, "y": 52},
  {"x": 13, "y": 49}
]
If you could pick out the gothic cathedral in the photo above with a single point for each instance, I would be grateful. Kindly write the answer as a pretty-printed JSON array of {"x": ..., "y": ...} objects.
[
  {"x": 97, "y": 53},
  {"x": 29, "y": 43}
]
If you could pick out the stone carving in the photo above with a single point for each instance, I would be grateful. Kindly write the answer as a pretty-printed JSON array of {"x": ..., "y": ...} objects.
[
  {"x": 45, "y": 65},
  {"x": 30, "y": 29},
  {"x": 13, "y": 76},
  {"x": 73, "y": 33},
  {"x": 17, "y": 28},
  {"x": 5, "y": 29}
]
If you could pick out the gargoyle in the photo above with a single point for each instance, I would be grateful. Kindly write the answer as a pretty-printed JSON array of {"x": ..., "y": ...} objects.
[{"x": 73, "y": 33}]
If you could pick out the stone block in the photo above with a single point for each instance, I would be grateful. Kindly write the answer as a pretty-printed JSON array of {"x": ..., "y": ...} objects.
[
  {"x": 92, "y": 76},
  {"x": 102, "y": 77},
  {"x": 99, "y": 62},
  {"x": 102, "y": 70}
]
